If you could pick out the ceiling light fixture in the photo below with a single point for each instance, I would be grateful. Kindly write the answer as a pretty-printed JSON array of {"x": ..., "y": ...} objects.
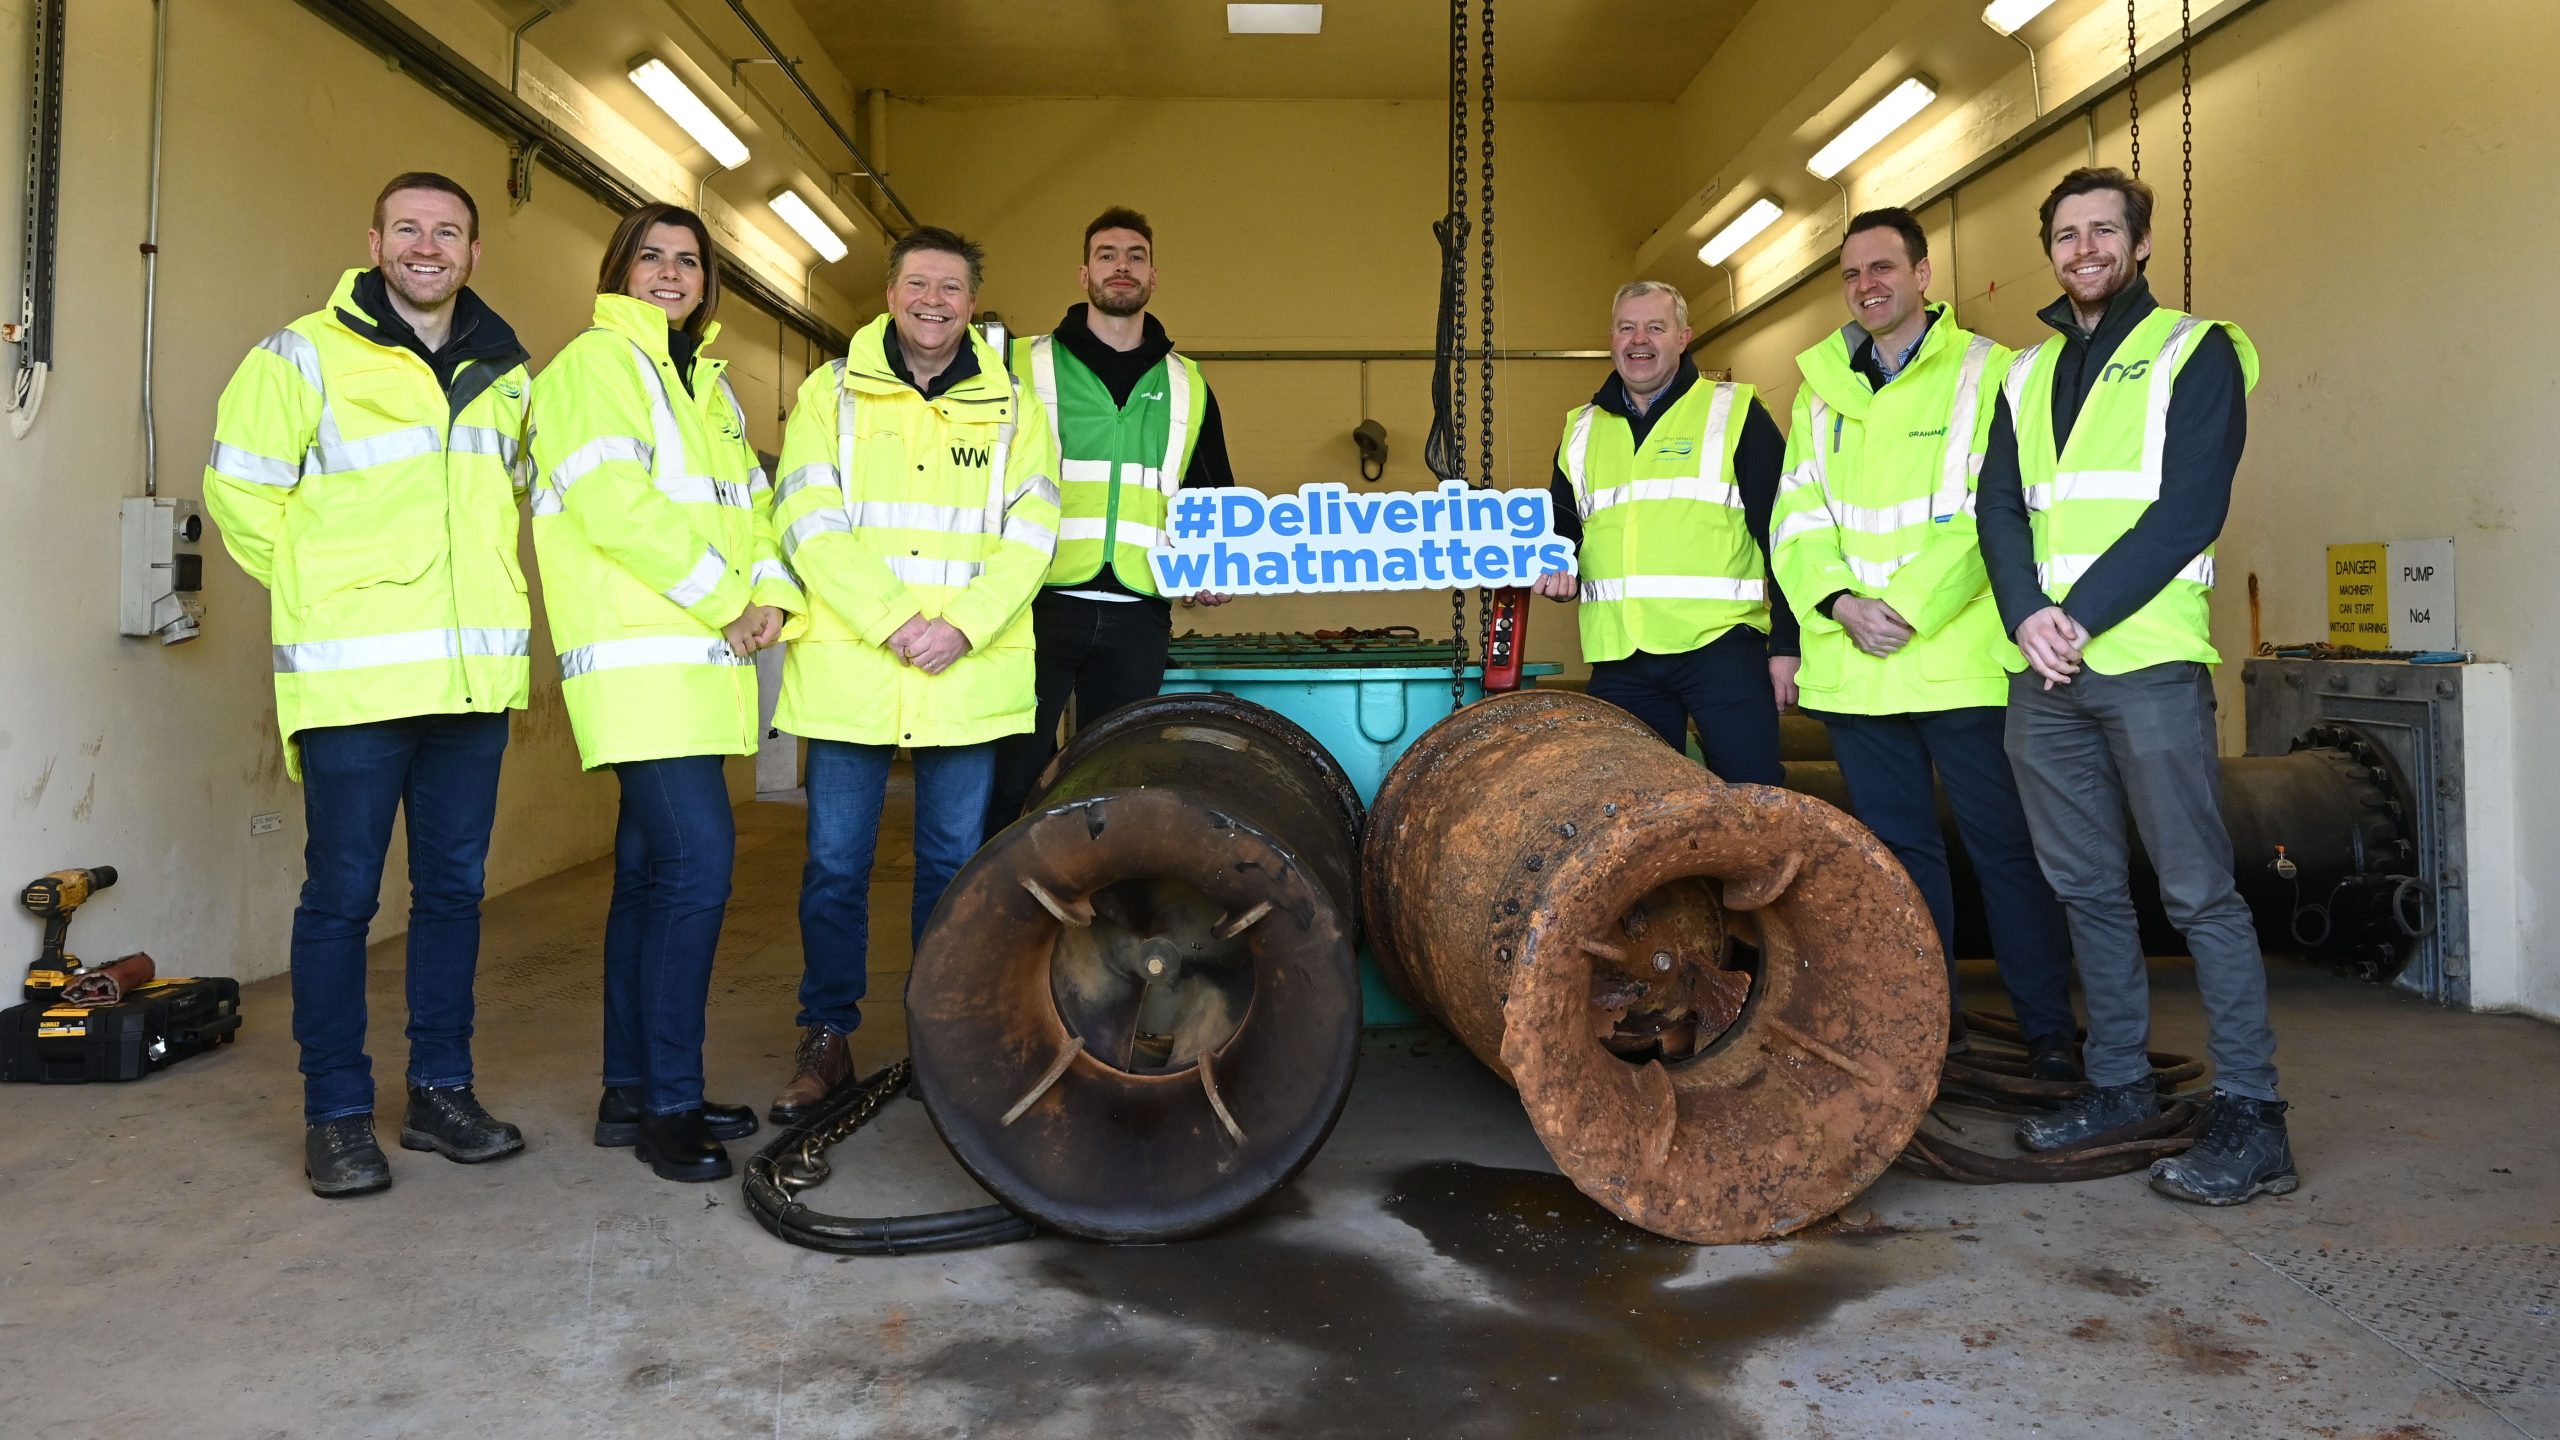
[
  {"x": 1881, "y": 119},
  {"x": 2010, "y": 16},
  {"x": 1744, "y": 229},
  {"x": 668, "y": 90},
  {"x": 1276, "y": 19},
  {"x": 803, "y": 219}
]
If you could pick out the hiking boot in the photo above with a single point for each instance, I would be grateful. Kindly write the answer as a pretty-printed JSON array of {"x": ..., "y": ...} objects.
[
  {"x": 2103, "y": 1108},
  {"x": 618, "y": 1118},
  {"x": 340, "y": 1158},
  {"x": 680, "y": 1147},
  {"x": 450, "y": 1122},
  {"x": 2055, "y": 1057},
  {"x": 1959, "y": 1039},
  {"x": 823, "y": 1062},
  {"x": 2245, "y": 1153}
]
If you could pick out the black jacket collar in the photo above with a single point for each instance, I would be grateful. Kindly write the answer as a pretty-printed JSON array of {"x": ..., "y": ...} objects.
[
  {"x": 1077, "y": 335},
  {"x": 962, "y": 366},
  {"x": 1612, "y": 395},
  {"x": 479, "y": 334},
  {"x": 2123, "y": 313}
]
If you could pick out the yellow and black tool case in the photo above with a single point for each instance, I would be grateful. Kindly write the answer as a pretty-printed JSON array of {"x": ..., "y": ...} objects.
[{"x": 158, "y": 1024}]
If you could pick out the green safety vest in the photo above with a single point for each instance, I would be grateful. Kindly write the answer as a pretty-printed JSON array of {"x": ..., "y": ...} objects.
[
  {"x": 383, "y": 521},
  {"x": 1878, "y": 500},
  {"x": 1667, "y": 562},
  {"x": 2084, "y": 498},
  {"x": 653, "y": 524},
  {"x": 1120, "y": 463}
]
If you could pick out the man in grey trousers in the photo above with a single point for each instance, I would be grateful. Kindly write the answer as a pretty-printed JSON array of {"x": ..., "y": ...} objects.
[{"x": 2108, "y": 478}]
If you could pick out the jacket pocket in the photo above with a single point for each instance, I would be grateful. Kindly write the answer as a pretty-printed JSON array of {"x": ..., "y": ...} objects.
[{"x": 322, "y": 572}]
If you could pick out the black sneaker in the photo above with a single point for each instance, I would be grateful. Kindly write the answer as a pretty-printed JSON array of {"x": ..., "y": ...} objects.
[
  {"x": 2102, "y": 1109},
  {"x": 340, "y": 1158},
  {"x": 2245, "y": 1153},
  {"x": 2055, "y": 1057},
  {"x": 450, "y": 1122},
  {"x": 618, "y": 1118}
]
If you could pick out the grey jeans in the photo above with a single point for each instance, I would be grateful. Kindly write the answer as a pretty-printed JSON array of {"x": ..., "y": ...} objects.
[{"x": 2086, "y": 754}]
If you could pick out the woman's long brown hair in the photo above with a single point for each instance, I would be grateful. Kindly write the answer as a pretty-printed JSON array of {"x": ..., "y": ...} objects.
[{"x": 623, "y": 252}]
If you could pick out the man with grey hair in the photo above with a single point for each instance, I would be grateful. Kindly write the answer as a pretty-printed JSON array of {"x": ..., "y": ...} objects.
[{"x": 1665, "y": 486}]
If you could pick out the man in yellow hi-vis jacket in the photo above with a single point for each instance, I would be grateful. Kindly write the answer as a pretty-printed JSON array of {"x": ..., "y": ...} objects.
[
  {"x": 919, "y": 506},
  {"x": 365, "y": 470}
]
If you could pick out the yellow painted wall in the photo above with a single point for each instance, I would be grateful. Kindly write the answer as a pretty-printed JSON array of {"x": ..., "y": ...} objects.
[
  {"x": 2366, "y": 207},
  {"x": 122, "y": 752},
  {"x": 1306, "y": 225}
]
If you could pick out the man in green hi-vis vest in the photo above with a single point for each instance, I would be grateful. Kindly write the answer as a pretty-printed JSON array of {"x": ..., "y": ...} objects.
[
  {"x": 2107, "y": 479},
  {"x": 1135, "y": 423}
]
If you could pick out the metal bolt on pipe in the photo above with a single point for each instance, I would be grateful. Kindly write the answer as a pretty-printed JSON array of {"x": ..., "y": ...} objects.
[
  {"x": 1533, "y": 862},
  {"x": 1136, "y": 1011}
]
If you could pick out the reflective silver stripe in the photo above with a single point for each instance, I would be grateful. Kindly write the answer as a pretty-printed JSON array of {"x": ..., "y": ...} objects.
[
  {"x": 1177, "y": 428},
  {"x": 1673, "y": 587},
  {"x": 829, "y": 521},
  {"x": 297, "y": 348},
  {"x": 2102, "y": 485},
  {"x": 1955, "y": 492},
  {"x": 701, "y": 580},
  {"x": 670, "y": 458},
  {"x": 757, "y": 482},
  {"x": 404, "y": 648},
  {"x": 1040, "y": 485},
  {"x": 1044, "y": 378},
  {"x": 604, "y": 449},
  {"x": 1675, "y": 487},
  {"x": 918, "y": 515},
  {"x": 336, "y": 457},
  {"x": 252, "y": 468},
  {"x": 1878, "y": 573},
  {"x": 1803, "y": 522},
  {"x": 2015, "y": 386},
  {"x": 647, "y": 650},
  {"x": 1085, "y": 472},
  {"x": 1886, "y": 519},
  {"x": 1577, "y": 449},
  {"x": 816, "y": 472},
  {"x": 918, "y": 570},
  {"x": 483, "y": 440},
  {"x": 2163, "y": 380},
  {"x": 2067, "y": 570},
  {"x": 764, "y": 570},
  {"x": 1019, "y": 531},
  {"x": 703, "y": 490}
]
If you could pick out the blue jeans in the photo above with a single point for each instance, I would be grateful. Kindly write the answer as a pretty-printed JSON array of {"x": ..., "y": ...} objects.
[
  {"x": 847, "y": 785},
  {"x": 1887, "y": 761},
  {"x": 672, "y": 854},
  {"x": 444, "y": 770},
  {"x": 1723, "y": 684}
]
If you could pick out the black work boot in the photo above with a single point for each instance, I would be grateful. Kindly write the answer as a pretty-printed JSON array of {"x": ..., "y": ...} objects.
[
  {"x": 2245, "y": 1153},
  {"x": 2102, "y": 1109},
  {"x": 618, "y": 1118},
  {"x": 341, "y": 1158},
  {"x": 2055, "y": 1057},
  {"x": 680, "y": 1147},
  {"x": 450, "y": 1122}
]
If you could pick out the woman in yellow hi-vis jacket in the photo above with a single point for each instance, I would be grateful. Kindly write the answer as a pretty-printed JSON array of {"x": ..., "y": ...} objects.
[{"x": 653, "y": 525}]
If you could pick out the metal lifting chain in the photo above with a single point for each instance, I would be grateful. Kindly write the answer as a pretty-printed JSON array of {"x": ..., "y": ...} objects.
[
  {"x": 1484, "y": 280},
  {"x": 1459, "y": 82},
  {"x": 2132, "y": 84},
  {"x": 2187, "y": 141}
]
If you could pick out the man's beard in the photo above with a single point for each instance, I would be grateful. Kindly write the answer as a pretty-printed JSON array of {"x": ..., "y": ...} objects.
[{"x": 1122, "y": 305}]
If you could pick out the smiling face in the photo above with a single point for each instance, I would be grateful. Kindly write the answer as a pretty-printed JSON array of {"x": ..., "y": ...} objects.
[
  {"x": 424, "y": 247},
  {"x": 930, "y": 301},
  {"x": 1119, "y": 272},
  {"x": 668, "y": 271},
  {"x": 2095, "y": 252},
  {"x": 1646, "y": 340},
  {"x": 1881, "y": 284}
]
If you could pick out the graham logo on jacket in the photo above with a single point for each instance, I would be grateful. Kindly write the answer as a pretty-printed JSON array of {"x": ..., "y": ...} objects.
[
  {"x": 969, "y": 457},
  {"x": 2121, "y": 371}
]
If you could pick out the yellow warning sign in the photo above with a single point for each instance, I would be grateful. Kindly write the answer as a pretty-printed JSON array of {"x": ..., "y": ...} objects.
[{"x": 2360, "y": 596}]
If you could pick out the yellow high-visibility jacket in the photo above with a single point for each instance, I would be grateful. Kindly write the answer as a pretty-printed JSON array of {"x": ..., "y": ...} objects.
[
  {"x": 893, "y": 506},
  {"x": 1668, "y": 562},
  {"x": 653, "y": 525},
  {"x": 380, "y": 511}
]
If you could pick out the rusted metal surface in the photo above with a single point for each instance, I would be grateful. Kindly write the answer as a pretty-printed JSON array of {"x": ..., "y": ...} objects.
[
  {"x": 1723, "y": 1005},
  {"x": 1136, "y": 1010}
]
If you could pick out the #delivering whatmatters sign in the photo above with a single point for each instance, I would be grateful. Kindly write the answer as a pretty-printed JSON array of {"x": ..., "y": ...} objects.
[{"x": 1325, "y": 538}]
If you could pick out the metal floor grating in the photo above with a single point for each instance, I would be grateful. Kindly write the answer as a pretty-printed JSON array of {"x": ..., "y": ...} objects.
[{"x": 2486, "y": 1317}]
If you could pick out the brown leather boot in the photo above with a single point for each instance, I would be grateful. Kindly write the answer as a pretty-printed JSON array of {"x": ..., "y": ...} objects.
[{"x": 823, "y": 1061}]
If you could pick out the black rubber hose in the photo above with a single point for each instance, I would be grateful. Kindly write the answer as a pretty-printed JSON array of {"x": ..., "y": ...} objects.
[{"x": 771, "y": 1202}]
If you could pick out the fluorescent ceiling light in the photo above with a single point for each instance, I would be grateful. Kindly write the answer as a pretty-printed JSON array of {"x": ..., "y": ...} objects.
[
  {"x": 1882, "y": 118},
  {"x": 797, "y": 214},
  {"x": 2010, "y": 16},
  {"x": 687, "y": 109},
  {"x": 1746, "y": 227},
  {"x": 1275, "y": 19}
]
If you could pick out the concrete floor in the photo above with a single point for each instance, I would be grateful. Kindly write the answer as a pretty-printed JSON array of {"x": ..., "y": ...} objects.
[{"x": 164, "y": 1272}]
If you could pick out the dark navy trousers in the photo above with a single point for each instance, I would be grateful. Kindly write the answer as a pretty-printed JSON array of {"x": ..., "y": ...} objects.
[
  {"x": 1887, "y": 762},
  {"x": 1723, "y": 685}
]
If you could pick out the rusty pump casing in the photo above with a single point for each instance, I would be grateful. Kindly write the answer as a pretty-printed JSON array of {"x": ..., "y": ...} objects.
[
  {"x": 1723, "y": 1005},
  {"x": 1137, "y": 1009}
]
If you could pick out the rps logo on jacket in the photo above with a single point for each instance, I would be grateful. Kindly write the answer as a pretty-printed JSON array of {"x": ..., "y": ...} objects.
[{"x": 2118, "y": 370}]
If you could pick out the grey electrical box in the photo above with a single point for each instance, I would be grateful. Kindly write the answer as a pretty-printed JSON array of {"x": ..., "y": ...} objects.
[{"x": 163, "y": 569}]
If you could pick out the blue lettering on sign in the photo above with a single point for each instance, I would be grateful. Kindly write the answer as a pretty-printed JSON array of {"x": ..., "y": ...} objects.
[{"x": 1323, "y": 538}]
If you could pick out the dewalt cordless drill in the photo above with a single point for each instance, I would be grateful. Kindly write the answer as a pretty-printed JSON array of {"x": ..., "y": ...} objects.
[{"x": 54, "y": 897}]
